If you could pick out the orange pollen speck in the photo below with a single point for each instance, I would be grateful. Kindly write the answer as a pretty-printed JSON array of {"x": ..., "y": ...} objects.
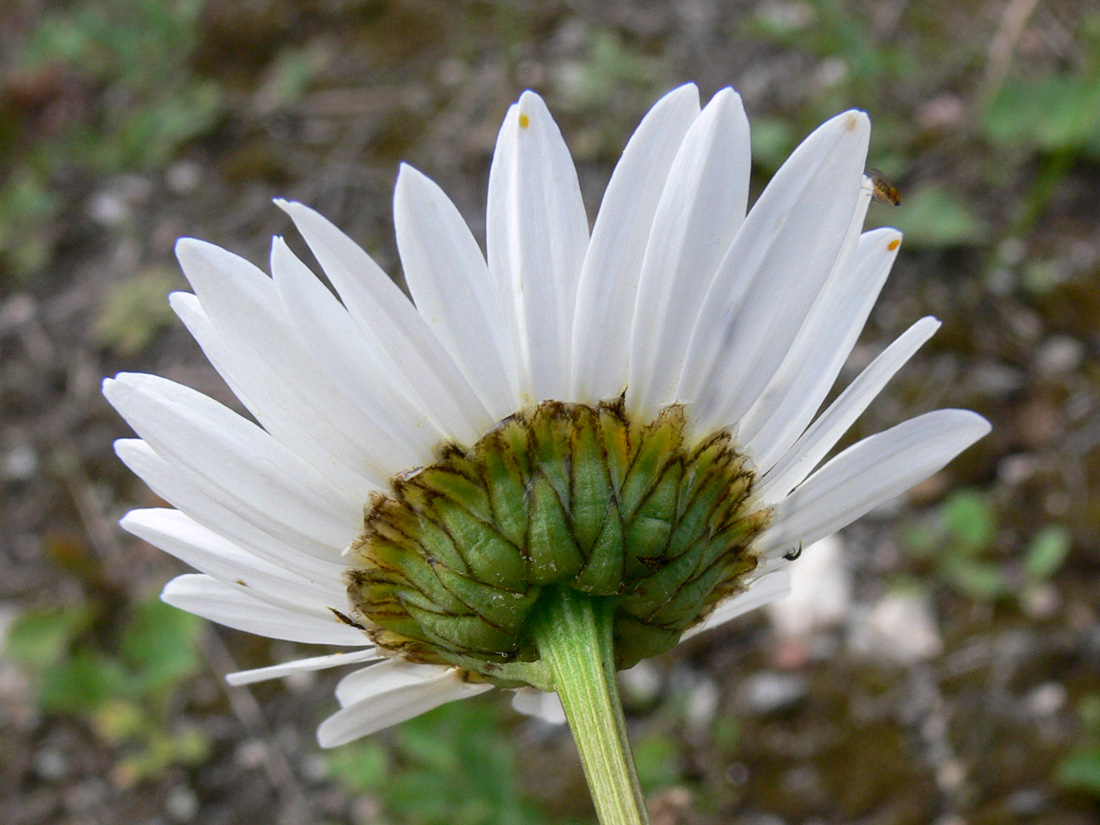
[
  {"x": 894, "y": 244},
  {"x": 524, "y": 121}
]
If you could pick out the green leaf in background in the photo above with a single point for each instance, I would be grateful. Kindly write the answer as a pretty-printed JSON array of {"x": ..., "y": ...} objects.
[
  {"x": 149, "y": 137},
  {"x": 119, "y": 720},
  {"x": 82, "y": 684},
  {"x": 160, "y": 751},
  {"x": 609, "y": 66},
  {"x": 726, "y": 733},
  {"x": 773, "y": 139},
  {"x": 657, "y": 757},
  {"x": 452, "y": 766},
  {"x": 1089, "y": 711},
  {"x": 1056, "y": 113},
  {"x": 361, "y": 767},
  {"x": 41, "y": 639},
  {"x": 921, "y": 540},
  {"x": 1080, "y": 772},
  {"x": 1047, "y": 552},
  {"x": 134, "y": 310},
  {"x": 28, "y": 208},
  {"x": 969, "y": 520},
  {"x": 982, "y": 581},
  {"x": 160, "y": 646},
  {"x": 934, "y": 216}
]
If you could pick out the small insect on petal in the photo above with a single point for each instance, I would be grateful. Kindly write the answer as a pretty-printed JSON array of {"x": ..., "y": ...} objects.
[{"x": 882, "y": 190}]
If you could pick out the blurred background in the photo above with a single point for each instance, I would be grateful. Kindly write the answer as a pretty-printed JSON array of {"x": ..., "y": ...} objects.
[{"x": 944, "y": 665}]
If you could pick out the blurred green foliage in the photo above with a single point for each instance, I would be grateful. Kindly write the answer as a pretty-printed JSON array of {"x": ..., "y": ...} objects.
[
  {"x": 606, "y": 69},
  {"x": 838, "y": 30},
  {"x": 935, "y": 216},
  {"x": 1056, "y": 113},
  {"x": 125, "y": 99},
  {"x": 453, "y": 766},
  {"x": 27, "y": 209},
  {"x": 138, "y": 48},
  {"x": 1052, "y": 114},
  {"x": 1055, "y": 117},
  {"x": 134, "y": 310},
  {"x": 1080, "y": 770},
  {"x": 657, "y": 758},
  {"x": 124, "y": 689},
  {"x": 960, "y": 545}
]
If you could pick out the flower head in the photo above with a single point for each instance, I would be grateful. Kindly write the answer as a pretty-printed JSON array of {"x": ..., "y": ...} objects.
[{"x": 631, "y": 415}]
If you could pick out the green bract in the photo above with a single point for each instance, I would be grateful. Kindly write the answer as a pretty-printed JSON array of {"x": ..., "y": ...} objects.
[{"x": 453, "y": 566}]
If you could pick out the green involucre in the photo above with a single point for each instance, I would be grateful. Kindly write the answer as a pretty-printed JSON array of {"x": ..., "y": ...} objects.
[{"x": 449, "y": 568}]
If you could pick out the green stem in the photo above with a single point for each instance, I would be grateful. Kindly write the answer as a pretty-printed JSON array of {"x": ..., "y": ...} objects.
[{"x": 573, "y": 636}]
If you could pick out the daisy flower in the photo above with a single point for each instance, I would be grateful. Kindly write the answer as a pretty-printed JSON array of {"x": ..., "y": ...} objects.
[{"x": 558, "y": 458}]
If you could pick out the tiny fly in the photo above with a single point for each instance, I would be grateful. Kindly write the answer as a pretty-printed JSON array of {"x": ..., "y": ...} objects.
[{"x": 882, "y": 189}]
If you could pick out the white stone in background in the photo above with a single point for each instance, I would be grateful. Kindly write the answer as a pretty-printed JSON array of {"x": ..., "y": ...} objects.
[
  {"x": 995, "y": 379},
  {"x": 1041, "y": 601},
  {"x": 1059, "y": 355},
  {"x": 314, "y": 768},
  {"x": 702, "y": 704},
  {"x": 51, "y": 764},
  {"x": 1047, "y": 699},
  {"x": 251, "y": 753},
  {"x": 544, "y": 706},
  {"x": 1013, "y": 470},
  {"x": 19, "y": 463},
  {"x": 642, "y": 683},
  {"x": 901, "y": 627},
  {"x": 181, "y": 805},
  {"x": 183, "y": 177},
  {"x": 821, "y": 592},
  {"x": 771, "y": 692},
  {"x": 117, "y": 202}
]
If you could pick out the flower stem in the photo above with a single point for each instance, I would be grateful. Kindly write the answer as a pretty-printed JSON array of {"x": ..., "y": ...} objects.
[{"x": 573, "y": 634}]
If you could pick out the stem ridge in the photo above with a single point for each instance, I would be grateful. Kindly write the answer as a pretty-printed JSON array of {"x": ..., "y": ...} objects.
[{"x": 573, "y": 634}]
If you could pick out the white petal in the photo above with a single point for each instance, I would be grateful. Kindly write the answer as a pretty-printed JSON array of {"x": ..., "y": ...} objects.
[
  {"x": 450, "y": 283},
  {"x": 612, "y": 266},
  {"x": 868, "y": 473},
  {"x": 323, "y": 436},
  {"x": 763, "y": 590},
  {"x": 774, "y": 271},
  {"x": 192, "y": 496},
  {"x": 814, "y": 444},
  {"x": 819, "y": 350},
  {"x": 249, "y": 470},
  {"x": 330, "y": 660},
  {"x": 396, "y": 333},
  {"x": 537, "y": 233},
  {"x": 190, "y": 542},
  {"x": 244, "y": 306},
  {"x": 701, "y": 208},
  {"x": 389, "y": 675},
  {"x": 388, "y": 693},
  {"x": 235, "y": 607},
  {"x": 401, "y": 430}
]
